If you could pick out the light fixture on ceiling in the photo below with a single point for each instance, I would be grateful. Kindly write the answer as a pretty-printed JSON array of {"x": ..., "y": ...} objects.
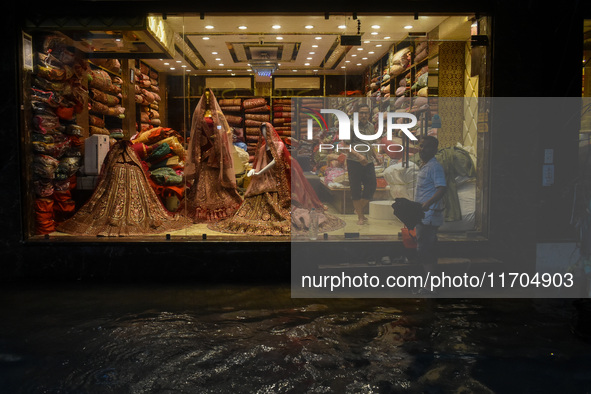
[
  {"x": 359, "y": 49},
  {"x": 263, "y": 69},
  {"x": 363, "y": 58},
  {"x": 183, "y": 66},
  {"x": 387, "y": 38},
  {"x": 242, "y": 27},
  {"x": 279, "y": 38},
  {"x": 209, "y": 27},
  {"x": 208, "y": 71},
  {"x": 311, "y": 53},
  {"x": 214, "y": 53},
  {"x": 206, "y": 38},
  {"x": 314, "y": 46},
  {"x": 172, "y": 68},
  {"x": 375, "y": 26},
  {"x": 342, "y": 27},
  {"x": 295, "y": 71},
  {"x": 374, "y": 33},
  {"x": 221, "y": 64},
  {"x": 378, "y": 45},
  {"x": 371, "y": 52},
  {"x": 366, "y": 42},
  {"x": 306, "y": 64},
  {"x": 359, "y": 64},
  {"x": 309, "y": 27},
  {"x": 166, "y": 64},
  {"x": 347, "y": 61},
  {"x": 318, "y": 38},
  {"x": 276, "y": 27},
  {"x": 178, "y": 61},
  {"x": 343, "y": 67},
  {"x": 408, "y": 27},
  {"x": 309, "y": 58}
]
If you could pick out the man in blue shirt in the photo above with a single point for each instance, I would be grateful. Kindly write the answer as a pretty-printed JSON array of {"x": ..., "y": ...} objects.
[{"x": 430, "y": 189}]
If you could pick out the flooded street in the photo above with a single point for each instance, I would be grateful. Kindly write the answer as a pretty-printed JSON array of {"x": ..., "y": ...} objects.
[{"x": 256, "y": 339}]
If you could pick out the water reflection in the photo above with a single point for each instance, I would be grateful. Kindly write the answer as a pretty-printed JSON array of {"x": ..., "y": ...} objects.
[{"x": 259, "y": 340}]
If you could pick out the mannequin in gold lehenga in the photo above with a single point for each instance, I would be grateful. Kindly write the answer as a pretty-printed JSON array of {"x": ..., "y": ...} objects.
[
  {"x": 265, "y": 210},
  {"x": 212, "y": 195},
  {"x": 123, "y": 202}
]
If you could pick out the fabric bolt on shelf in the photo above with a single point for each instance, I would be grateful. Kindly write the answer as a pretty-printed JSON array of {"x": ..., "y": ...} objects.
[
  {"x": 230, "y": 102},
  {"x": 283, "y": 114},
  {"x": 252, "y": 131},
  {"x": 259, "y": 109},
  {"x": 252, "y": 123},
  {"x": 232, "y": 108},
  {"x": 234, "y": 120},
  {"x": 257, "y": 117}
]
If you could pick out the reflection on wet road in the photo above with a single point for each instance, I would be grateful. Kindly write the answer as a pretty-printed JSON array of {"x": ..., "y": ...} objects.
[{"x": 196, "y": 339}]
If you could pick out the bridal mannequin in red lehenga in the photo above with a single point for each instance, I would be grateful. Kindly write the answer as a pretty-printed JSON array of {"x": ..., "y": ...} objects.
[
  {"x": 266, "y": 205},
  {"x": 123, "y": 202},
  {"x": 209, "y": 168}
]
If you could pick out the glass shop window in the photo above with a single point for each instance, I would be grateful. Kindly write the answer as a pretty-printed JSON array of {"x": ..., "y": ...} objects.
[{"x": 183, "y": 126}]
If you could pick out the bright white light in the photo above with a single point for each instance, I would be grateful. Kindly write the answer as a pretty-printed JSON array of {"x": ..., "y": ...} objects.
[
  {"x": 208, "y": 71},
  {"x": 221, "y": 64},
  {"x": 408, "y": 27},
  {"x": 209, "y": 27},
  {"x": 375, "y": 27},
  {"x": 342, "y": 27},
  {"x": 359, "y": 64},
  {"x": 314, "y": 46},
  {"x": 347, "y": 61},
  {"x": 371, "y": 52},
  {"x": 217, "y": 59},
  {"x": 306, "y": 64},
  {"x": 343, "y": 67},
  {"x": 206, "y": 38},
  {"x": 387, "y": 38},
  {"x": 309, "y": 27},
  {"x": 214, "y": 53},
  {"x": 178, "y": 61},
  {"x": 374, "y": 33},
  {"x": 276, "y": 26},
  {"x": 294, "y": 71},
  {"x": 318, "y": 38},
  {"x": 359, "y": 49},
  {"x": 242, "y": 27},
  {"x": 378, "y": 45},
  {"x": 172, "y": 68},
  {"x": 183, "y": 66},
  {"x": 229, "y": 71},
  {"x": 311, "y": 53},
  {"x": 353, "y": 55},
  {"x": 279, "y": 38},
  {"x": 366, "y": 42},
  {"x": 308, "y": 58},
  {"x": 166, "y": 64},
  {"x": 363, "y": 58}
]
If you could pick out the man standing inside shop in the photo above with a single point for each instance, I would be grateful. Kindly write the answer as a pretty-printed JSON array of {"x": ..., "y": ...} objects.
[
  {"x": 430, "y": 189},
  {"x": 360, "y": 165}
]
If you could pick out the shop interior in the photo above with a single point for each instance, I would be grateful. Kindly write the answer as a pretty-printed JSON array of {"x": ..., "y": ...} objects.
[{"x": 86, "y": 88}]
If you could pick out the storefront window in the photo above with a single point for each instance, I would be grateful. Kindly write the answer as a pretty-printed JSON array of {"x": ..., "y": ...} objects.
[{"x": 193, "y": 126}]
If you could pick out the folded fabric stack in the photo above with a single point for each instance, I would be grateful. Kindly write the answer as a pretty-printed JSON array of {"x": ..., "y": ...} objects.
[
  {"x": 163, "y": 156},
  {"x": 309, "y": 107},
  {"x": 57, "y": 95},
  {"x": 105, "y": 99},
  {"x": 282, "y": 118},
  {"x": 256, "y": 112},
  {"x": 147, "y": 95},
  {"x": 399, "y": 61},
  {"x": 421, "y": 49},
  {"x": 233, "y": 111}
]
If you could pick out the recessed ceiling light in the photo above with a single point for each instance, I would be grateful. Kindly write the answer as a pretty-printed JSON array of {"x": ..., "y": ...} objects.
[
  {"x": 276, "y": 26},
  {"x": 172, "y": 68},
  {"x": 233, "y": 74},
  {"x": 359, "y": 64},
  {"x": 206, "y": 38},
  {"x": 166, "y": 64},
  {"x": 342, "y": 27},
  {"x": 294, "y": 70},
  {"x": 366, "y": 42},
  {"x": 278, "y": 64},
  {"x": 314, "y": 46},
  {"x": 188, "y": 70},
  {"x": 183, "y": 66},
  {"x": 374, "y": 33},
  {"x": 178, "y": 61},
  {"x": 364, "y": 58},
  {"x": 378, "y": 45},
  {"x": 229, "y": 71},
  {"x": 242, "y": 27},
  {"x": 312, "y": 53},
  {"x": 318, "y": 38},
  {"x": 371, "y": 52},
  {"x": 359, "y": 49},
  {"x": 208, "y": 71},
  {"x": 375, "y": 27},
  {"x": 214, "y": 53},
  {"x": 309, "y": 58},
  {"x": 161, "y": 59},
  {"x": 408, "y": 27},
  {"x": 221, "y": 64},
  {"x": 387, "y": 38},
  {"x": 315, "y": 71},
  {"x": 249, "y": 69},
  {"x": 217, "y": 59},
  {"x": 353, "y": 55},
  {"x": 343, "y": 67},
  {"x": 279, "y": 38},
  {"x": 209, "y": 27},
  {"x": 309, "y": 27},
  {"x": 306, "y": 64},
  {"x": 347, "y": 61}
]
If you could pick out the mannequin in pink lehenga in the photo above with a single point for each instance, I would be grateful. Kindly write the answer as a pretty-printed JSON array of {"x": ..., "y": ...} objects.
[
  {"x": 212, "y": 195},
  {"x": 265, "y": 210}
]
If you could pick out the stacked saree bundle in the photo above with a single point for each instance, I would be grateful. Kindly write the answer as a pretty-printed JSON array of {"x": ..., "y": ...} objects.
[
  {"x": 282, "y": 117},
  {"x": 147, "y": 95},
  {"x": 105, "y": 102},
  {"x": 232, "y": 109},
  {"x": 123, "y": 203},
  {"x": 212, "y": 193},
  {"x": 57, "y": 95},
  {"x": 256, "y": 112},
  {"x": 163, "y": 158}
]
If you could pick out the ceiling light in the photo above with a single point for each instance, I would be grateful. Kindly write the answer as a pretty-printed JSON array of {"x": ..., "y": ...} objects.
[
  {"x": 318, "y": 38},
  {"x": 188, "y": 70},
  {"x": 229, "y": 71},
  {"x": 408, "y": 27},
  {"x": 294, "y": 71},
  {"x": 311, "y": 53},
  {"x": 366, "y": 42},
  {"x": 214, "y": 53},
  {"x": 279, "y": 38},
  {"x": 359, "y": 49},
  {"x": 276, "y": 27},
  {"x": 183, "y": 66},
  {"x": 278, "y": 64},
  {"x": 178, "y": 61},
  {"x": 166, "y": 64},
  {"x": 242, "y": 27},
  {"x": 306, "y": 64},
  {"x": 208, "y": 71},
  {"x": 353, "y": 55},
  {"x": 233, "y": 74},
  {"x": 315, "y": 71},
  {"x": 363, "y": 58},
  {"x": 248, "y": 69},
  {"x": 221, "y": 64},
  {"x": 374, "y": 33},
  {"x": 309, "y": 27},
  {"x": 343, "y": 67},
  {"x": 347, "y": 61},
  {"x": 314, "y": 46},
  {"x": 309, "y": 58},
  {"x": 118, "y": 39},
  {"x": 217, "y": 59},
  {"x": 375, "y": 27},
  {"x": 359, "y": 64},
  {"x": 161, "y": 59},
  {"x": 206, "y": 38},
  {"x": 387, "y": 38},
  {"x": 378, "y": 45},
  {"x": 371, "y": 52},
  {"x": 172, "y": 68},
  {"x": 209, "y": 27},
  {"x": 342, "y": 27}
]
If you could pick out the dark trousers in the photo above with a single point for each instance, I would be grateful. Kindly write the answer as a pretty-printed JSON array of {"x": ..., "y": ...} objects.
[
  {"x": 427, "y": 243},
  {"x": 360, "y": 175}
]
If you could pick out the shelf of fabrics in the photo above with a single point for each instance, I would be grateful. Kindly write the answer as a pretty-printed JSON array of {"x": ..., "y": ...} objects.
[
  {"x": 282, "y": 118},
  {"x": 57, "y": 96},
  {"x": 105, "y": 108},
  {"x": 304, "y": 148},
  {"x": 147, "y": 96},
  {"x": 256, "y": 112},
  {"x": 234, "y": 113},
  {"x": 163, "y": 157}
]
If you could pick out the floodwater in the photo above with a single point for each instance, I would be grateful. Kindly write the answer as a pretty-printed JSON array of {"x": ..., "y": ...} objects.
[{"x": 256, "y": 339}]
